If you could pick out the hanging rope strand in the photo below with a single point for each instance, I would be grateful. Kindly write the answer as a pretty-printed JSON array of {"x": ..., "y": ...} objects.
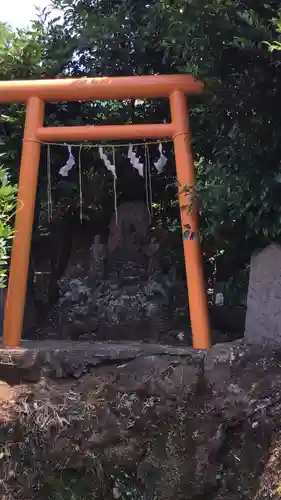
[
  {"x": 147, "y": 183},
  {"x": 114, "y": 185},
  {"x": 150, "y": 197},
  {"x": 112, "y": 167},
  {"x": 80, "y": 184},
  {"x": 49, "y": 185}
]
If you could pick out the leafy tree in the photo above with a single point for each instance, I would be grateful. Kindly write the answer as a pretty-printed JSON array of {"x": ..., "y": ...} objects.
[
  {"x": 20, "y": 58},
  {"x": 235, "y": 124},
  {"x": 276, "y": 44}
]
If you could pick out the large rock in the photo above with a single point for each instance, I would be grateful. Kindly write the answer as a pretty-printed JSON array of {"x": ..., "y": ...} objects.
[
  {"x": 62, "y": 359},
  {"x": 140, "y": 421},
  {"x": 263, "y": 318},
  {"x": 115, "y": 290},
  {"x": 131, "y": 300},
  {"x": 245, "y": 379},
  {"x": 73, "y": 313}
]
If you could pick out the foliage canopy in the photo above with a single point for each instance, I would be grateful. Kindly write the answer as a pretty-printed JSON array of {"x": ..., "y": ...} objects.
[{"x": 233, "y": 44}]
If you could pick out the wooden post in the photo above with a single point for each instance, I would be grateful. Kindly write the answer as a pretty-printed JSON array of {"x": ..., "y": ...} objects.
[
  {"x": 15, "y": 303},
  {"x": 198, "y": 305}
]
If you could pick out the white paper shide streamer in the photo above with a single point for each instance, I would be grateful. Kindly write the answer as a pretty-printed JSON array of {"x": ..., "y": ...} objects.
[
  {"x": 135, "y": 161},
  {"x": 69, "y": 164},
  {"x": 161, "y": 163},
  {"x": 110, "y": 166}
]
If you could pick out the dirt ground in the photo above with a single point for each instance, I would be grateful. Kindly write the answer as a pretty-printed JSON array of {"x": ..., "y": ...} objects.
[{"x": 164, "y": 426}]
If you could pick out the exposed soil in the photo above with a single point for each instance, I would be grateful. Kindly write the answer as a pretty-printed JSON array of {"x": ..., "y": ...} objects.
[{"x": 187, "y": 427}]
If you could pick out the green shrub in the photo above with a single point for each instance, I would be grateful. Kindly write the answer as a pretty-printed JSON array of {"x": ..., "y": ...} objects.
[{"x": 7, "y": 207}]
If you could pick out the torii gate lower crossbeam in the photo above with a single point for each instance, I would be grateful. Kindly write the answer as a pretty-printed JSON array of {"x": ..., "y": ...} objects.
[{"x": 34, "y": 94}]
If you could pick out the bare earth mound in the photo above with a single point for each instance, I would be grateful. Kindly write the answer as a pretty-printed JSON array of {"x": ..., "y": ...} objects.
[{"x": 139, "y": 421}]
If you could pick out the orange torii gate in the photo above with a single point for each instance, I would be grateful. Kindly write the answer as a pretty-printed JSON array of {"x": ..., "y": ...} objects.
[{"x": 34, "y": 94}]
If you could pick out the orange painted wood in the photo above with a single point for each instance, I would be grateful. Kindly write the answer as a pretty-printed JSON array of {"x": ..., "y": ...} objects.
[
  {"x": 105, "y": 132},
  {"x": 35, "y": 93},
  {"x": 130, "y": 87},
  {"x": 15, "y": 302},
  {"x": 198, "y": 306}
]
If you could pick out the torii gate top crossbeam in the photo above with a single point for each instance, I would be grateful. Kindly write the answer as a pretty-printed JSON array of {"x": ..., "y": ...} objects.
[{"x": 107, "y": 88}]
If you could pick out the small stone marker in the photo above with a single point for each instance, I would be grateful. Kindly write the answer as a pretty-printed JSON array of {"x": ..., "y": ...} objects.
[{"x": 263, "y": 318}]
